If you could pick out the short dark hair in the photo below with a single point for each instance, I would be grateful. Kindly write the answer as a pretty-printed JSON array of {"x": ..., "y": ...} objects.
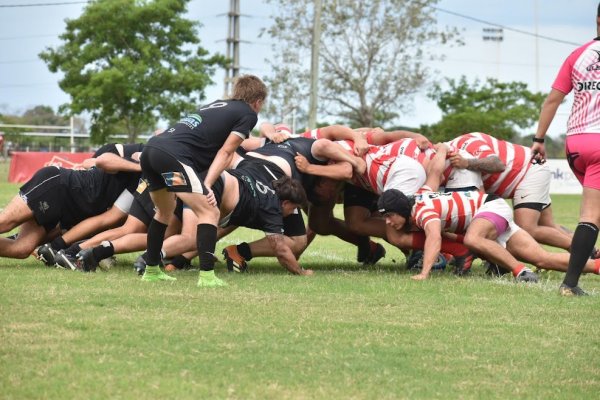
[
  {"x": 290, "y": 189},
  {"x": 598, "y": 15}
]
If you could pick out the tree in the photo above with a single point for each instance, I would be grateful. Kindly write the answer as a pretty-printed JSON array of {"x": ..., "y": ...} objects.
[
  {"x": 493, "y": 107},
  {"x": 131, "y": 62},
  {"x": 372, "y": 56}
]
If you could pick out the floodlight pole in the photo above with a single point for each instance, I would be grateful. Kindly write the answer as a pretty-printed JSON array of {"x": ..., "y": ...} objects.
[{"x": 314, "y": 66}]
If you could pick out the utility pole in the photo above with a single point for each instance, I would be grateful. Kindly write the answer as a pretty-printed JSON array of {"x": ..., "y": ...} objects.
[
  {"x": 233, "y": 45},
  {"x": 314, "y": 67},
  {"x": 537, "y": 47}
]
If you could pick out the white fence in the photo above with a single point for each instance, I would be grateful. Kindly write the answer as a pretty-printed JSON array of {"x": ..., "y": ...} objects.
[{"x": 563, "y": 181}]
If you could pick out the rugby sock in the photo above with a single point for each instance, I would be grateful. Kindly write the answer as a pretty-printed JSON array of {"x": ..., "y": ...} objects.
[
  {"x": 206, "y": 238},
  {"x": 243, "y": 250},
  {"x": 103, "y": 251},
  {"x": 179, "y": 261},
  {"x": 584, "y": 240},
  {"x": 364, "y": 248},
  {"x": 156, "y": 236},
  {"x": 597, "y": 266},
  {"x": 73, "y": 249},
  {"x": 58, "y": 243},
  {"x": 517, "y": 270}
]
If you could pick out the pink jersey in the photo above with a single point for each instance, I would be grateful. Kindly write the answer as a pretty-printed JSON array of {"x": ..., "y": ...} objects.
[
  {"x": 455, "y": 210},
  {"x": 379, "y": 160},
  {"x": 517, "y": 159},
  {"x": 581, "y": 71}
]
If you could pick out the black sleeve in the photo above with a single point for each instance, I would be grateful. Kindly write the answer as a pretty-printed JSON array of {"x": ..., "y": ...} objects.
[{"x": 293, "y": 225}]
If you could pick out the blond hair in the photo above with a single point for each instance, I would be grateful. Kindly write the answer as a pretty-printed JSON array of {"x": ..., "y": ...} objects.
[{"x": 249, "y": 88}]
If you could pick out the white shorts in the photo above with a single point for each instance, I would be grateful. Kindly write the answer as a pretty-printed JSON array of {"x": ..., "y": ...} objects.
[
  {"x": 406, "y": 175},
  {"x": 535, "y": 186},
  {"x": 463, "y": 178},
  {"x": 124, "y": 201},
  {"x": 501, "y": 208}
]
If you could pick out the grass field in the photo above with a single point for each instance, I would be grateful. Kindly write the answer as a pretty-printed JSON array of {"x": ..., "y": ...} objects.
[{"x": 347, "y": 332}]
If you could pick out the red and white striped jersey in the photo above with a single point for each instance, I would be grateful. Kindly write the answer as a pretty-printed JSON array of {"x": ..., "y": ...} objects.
[
  {"x": 454, "y": 210},
  {"x": 517, "y": 159},
  {"x": 379, "y": 160}
]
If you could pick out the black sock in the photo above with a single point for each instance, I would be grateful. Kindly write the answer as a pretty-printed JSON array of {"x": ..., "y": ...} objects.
[
  {"x": 156, "y": 236},
  {"x": 180, "y": 262},
  {"x": 206, "y": 240},
  {"x": 103, "y": 251},
  {"x": 364, "y": 248},
  {"x": 244, "y": 251},
  {"x": 584, "y": 240},
  {"x": 73, "y": 249},
  {"x": 58, "y": 243}
]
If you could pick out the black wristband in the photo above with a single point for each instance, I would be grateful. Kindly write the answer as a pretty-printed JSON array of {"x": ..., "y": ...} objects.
[{"x": 538, "y": 140}]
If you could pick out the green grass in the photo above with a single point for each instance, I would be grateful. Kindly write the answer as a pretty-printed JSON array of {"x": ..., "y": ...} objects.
[{"x": 347, "y": 332}]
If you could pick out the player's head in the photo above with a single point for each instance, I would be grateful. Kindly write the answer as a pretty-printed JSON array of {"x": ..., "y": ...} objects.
[
  {"x": 396, "y": 207},
  {"x": 290, "y": 192},
  {"x": 251, "y": 89}
]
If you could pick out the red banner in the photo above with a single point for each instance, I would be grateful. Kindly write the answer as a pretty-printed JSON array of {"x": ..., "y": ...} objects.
[{"x": 24, "y": 164}]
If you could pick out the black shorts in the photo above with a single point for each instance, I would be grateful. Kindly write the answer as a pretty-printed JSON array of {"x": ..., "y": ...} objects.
[
  {"x": 293, "y": 225},
  {"x": 162, "y": 170},
  {"x": 355, "y": 196},
  {"x": 44, "y": 195}
]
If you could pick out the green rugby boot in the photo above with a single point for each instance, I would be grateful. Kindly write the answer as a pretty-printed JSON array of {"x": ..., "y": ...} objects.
[
  {"x": 154, "y": 274},
  {"x": 210, "y": 280}
]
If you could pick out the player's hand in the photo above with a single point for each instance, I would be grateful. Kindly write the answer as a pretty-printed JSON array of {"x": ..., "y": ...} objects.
[
  {"x": 422, "y": 142},
  {"x": 361, "y": 147},
  {"x": 457, "y": 161},
  {"x": 279, "y": 136},
  {"x": 210, "y": 197},
  {"x": 538, "y": 153},
  {"x": 301, "y": 163},
  {"x": 419, "y": 277}
]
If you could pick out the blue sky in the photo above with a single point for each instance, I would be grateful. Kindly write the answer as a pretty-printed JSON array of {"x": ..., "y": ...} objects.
[{"x": 26, "y": 31}]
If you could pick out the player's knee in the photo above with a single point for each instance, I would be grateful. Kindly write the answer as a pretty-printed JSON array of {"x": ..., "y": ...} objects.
[{"x": 472, "y": 241}]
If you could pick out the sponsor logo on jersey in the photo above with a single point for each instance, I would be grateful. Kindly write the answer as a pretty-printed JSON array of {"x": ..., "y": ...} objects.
[
  {"x": 587, "y": 85},
  {"x": 191, "y": 121},
  {"x": 595, "y": 66}
]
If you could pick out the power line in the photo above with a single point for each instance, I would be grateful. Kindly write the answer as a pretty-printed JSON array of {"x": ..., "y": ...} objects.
[
  {"x": 27, "y": 37},
  {"x": 505, "y": 27},
  {"x": 42, "y": 4}
]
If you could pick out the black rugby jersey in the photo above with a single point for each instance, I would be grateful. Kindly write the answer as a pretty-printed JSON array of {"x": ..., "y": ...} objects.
[{"x": 196, "y": 138}]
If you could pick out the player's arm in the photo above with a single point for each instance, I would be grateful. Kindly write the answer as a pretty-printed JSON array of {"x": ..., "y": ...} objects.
[
  {"x": 328, "y": 150},
  {"x": 113, "y": 163},
  {"x": 223, "y": 159},
  {"x": 339, "y": 171},
  {"x": 269, "y": 131},
  {"x": 549, "y": 108},
  {"x": 490, "y": 164},
  {"x": 433, "y": 244},
  {"x": 341, "y": 132},
  {"x": 435, "y": 168},
  {"x": 380, "y": 138},
  {"x": 285, "y": 256}
]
